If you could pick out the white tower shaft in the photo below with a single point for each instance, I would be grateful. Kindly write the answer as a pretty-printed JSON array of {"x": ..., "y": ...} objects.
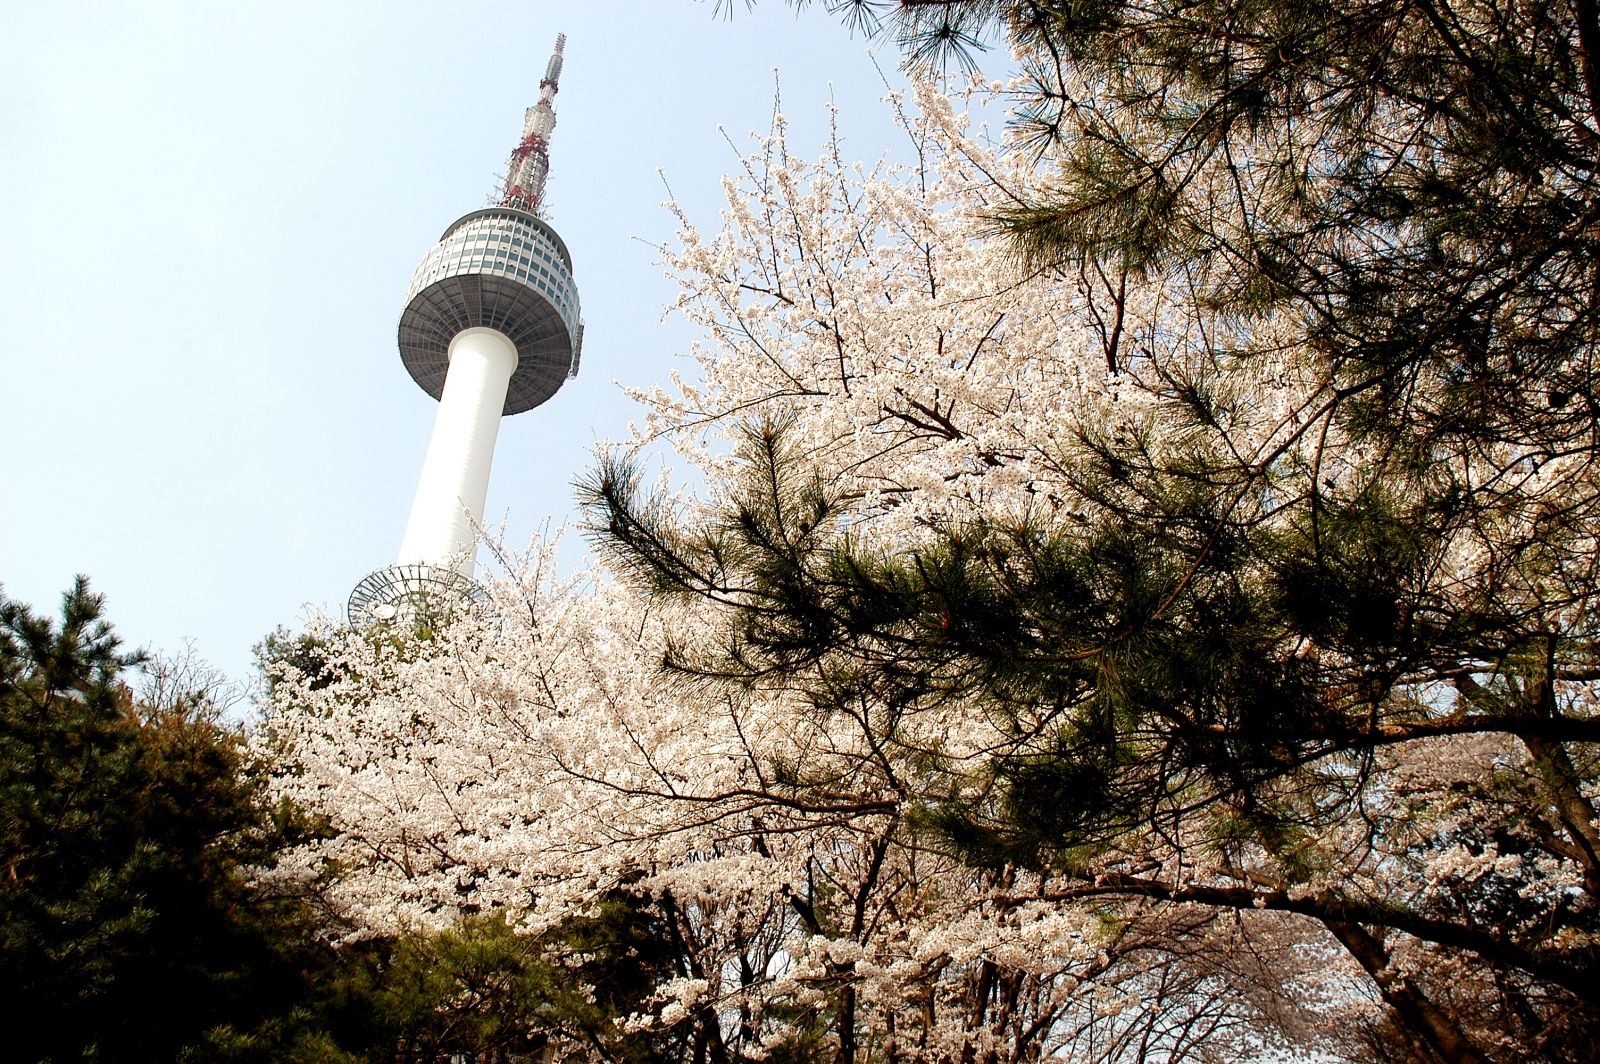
[{"x": 448, "y": 510}]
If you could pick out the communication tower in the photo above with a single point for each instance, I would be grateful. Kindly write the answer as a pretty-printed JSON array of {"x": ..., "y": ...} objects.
[{"x": 491, "y": 328}]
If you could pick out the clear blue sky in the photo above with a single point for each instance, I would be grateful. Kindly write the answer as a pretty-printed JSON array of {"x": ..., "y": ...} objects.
[{"x": 209, "y": 213}]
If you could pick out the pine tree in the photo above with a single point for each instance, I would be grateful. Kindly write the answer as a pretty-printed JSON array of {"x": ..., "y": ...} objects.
[{"x": 130, "y": 929}]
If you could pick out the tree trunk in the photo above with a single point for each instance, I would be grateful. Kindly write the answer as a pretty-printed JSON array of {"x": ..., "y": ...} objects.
[{"x": 1415, "y": 1012}]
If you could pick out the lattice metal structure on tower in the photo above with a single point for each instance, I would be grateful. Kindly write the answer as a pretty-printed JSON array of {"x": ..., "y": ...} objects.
[
  {"x": 492, "y": 326},
  {"x": 530, "y": 160}
]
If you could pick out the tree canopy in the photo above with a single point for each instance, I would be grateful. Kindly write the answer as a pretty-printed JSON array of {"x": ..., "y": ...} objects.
[{"x": 132, "y": 926}]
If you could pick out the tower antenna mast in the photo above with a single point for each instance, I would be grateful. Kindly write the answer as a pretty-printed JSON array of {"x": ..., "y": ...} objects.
[{"x": 530, "y": 160}]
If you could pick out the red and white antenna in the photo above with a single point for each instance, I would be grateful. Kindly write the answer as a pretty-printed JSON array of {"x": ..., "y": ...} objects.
[{"x": 530, "y": 162}]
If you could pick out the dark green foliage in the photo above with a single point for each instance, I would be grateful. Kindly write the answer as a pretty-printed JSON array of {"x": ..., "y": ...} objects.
[
  {"x": 610, "y": 963},
  {"x": 127, "y": 925},
  {"x": 302, "y": 655},
  {"x": 482, "y": 991}
]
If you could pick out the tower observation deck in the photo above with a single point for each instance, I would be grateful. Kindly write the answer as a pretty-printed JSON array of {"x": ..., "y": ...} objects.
[{"x": 491, "y": 327}]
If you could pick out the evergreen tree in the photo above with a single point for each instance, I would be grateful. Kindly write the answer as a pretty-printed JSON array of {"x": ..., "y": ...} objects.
[
  {"x": 481, "y": 991},
  {"x": 130, "y": 930}
]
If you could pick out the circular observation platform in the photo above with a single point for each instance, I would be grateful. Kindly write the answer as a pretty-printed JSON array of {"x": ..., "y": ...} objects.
[
  {"x": 413, "y": 594},
  {"x": 503, "y": 269}
]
